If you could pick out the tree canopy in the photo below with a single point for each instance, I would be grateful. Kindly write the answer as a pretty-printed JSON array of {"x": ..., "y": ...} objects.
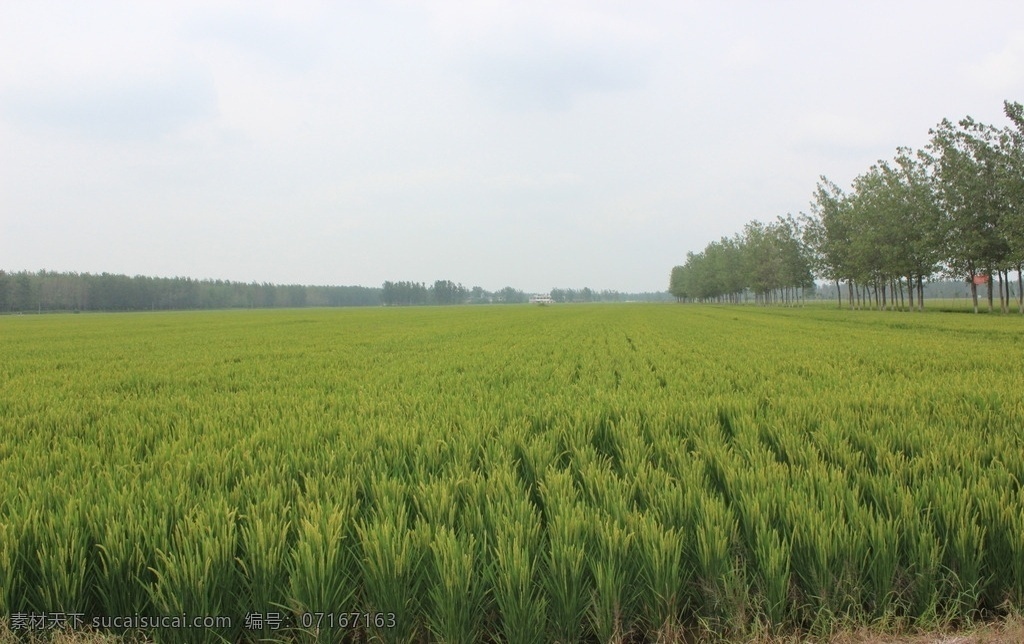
[{"x": 953, "y": 209}]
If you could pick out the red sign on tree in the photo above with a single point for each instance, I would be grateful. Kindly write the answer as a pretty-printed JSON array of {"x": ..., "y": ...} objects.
[{"x": 981, "y": 279}]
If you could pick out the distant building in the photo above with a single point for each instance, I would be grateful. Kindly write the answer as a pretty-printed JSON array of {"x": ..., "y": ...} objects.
[{"x": 541, "y": 299}]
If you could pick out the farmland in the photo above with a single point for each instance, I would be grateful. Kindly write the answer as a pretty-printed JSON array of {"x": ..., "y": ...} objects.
[{"x": 522, "y": 474}]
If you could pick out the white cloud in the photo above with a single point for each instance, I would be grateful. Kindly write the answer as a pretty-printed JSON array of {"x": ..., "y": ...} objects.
[
  {"x": 530, "y": 55},
  {"x": 503, "y": 24},
  {"x": 1002, "y": 70},
  {"x": 745, "y": 54},
  {"x": 841, "y": 130},
  {"x": 278, "y": 41},
  {"x": 125, "y": 109},
  {"x": 424, "y": 139}
]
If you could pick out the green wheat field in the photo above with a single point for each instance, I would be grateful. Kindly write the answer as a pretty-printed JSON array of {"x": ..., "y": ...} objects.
[{"x": 594, "y": 473}]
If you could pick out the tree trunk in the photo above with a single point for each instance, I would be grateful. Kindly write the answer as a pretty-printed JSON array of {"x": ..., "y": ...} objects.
[
  {"x": 974, "y": 293},
  {"x": 989, "y": 291},
  {"x": 1001, "y": 286},
  {"x": 1006, "y": 278},
  {"x": 920, "y": 292},
  {"x": 1005, "y": 307},
  {"x": 1020, "y": 290},
  {"x": 910, "y": 292},
  {"x": 998, "y": 286}
]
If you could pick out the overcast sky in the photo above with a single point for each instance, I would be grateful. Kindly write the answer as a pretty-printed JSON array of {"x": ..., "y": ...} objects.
[{"x": 533, "y": 144}]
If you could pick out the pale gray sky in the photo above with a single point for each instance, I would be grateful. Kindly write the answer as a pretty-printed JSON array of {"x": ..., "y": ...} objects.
[{"x": 532, "y": 144}]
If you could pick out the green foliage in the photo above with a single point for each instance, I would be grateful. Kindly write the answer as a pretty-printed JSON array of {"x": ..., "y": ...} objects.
[
  {"x": 196, "y": 575},
  {"x": 521, "y": 603},
  {"x": 456, "y": 591},
  {"x": 955, "y": 207},
  {"x": 611, "y": 473}
]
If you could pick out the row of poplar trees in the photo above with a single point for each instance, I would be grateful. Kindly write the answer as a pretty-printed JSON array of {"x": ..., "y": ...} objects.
[
  {"x": 954, "y": 209},
  {"x": 767, "y": 262}
]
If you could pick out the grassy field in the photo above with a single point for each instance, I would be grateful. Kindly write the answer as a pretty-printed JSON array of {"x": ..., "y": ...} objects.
[{"x": 511, "y": 473}]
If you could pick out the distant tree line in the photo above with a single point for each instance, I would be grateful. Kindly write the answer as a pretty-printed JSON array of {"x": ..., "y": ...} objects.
[
  {"x": 446, "y": 292},
  {"x": 586, "y": 294},
  {"x": 953, "y": 209},
  {"x": 51, "y": 291},
  {"x": 26, "y": 291}
]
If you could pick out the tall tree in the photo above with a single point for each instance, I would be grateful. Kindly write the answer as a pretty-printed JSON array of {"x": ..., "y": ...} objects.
[
  {"x": 828, "y": 234},
  {"x": 876, "y": 230},
  {"x": 966, "y": 166},
  {"x": 677, "y": 283},
  {"x": 1012, "y": 181},
  {"x": 919, "y": 239},
  {"x": 5, "y": 288},
  {"x": 794, "y": 257}
]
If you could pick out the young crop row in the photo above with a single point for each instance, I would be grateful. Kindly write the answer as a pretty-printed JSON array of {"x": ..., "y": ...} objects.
[{"x": 528, "y": 474}]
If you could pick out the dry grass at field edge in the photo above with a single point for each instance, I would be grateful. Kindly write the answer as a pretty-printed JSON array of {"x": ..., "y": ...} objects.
[{"x": 1010, "y": 631}]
